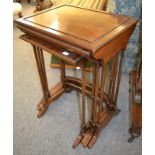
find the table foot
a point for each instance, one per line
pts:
(130, 140)
(55, 93)
(41, 111)
(134, 132)
(94, 138)
(77, 140)
(89, 137)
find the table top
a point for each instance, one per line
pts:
(84, 28)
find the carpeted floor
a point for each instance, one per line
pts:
(53, 134)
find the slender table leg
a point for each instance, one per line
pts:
(106, 114)
(97, 127)
(63, 76)
(95, 91)
(63, 73)
(102, 89)
(114, 78)
(119, 77)
(83, 125)
(92, 124)
(43, 79)
(101, 116)
(83, 121)
(112, 83)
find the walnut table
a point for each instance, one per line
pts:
(77, 35)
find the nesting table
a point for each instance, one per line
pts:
(77, 35)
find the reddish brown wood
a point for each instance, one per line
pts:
(83, 125)
(60, 29)
(102, 88)
(55, 93)
(111, 31)
(63, 73)
(95, 91)
(92, 134)
(76, 84)
(114, 75)
(114, 84)
(78, 140)
(94, 138)
(43, 79)
(87, 136)
(139, 78)
(112, 80)
(136, 103)
(119, 77)
(73, 58)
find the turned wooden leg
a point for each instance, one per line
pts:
(43, 79)
(136, 127)
(83, 126)
(114, 75)
(119, 77)
(102, 89)
(92, 123)
(112, 83)
(63, 76)
(95, 91)
(83, 121)
(63, 73)
(97, 128)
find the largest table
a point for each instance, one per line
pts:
(77, 35)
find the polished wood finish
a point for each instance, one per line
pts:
(55, 93)
(72, 58)
(94, 31)
(85, 35)
(135, 92)
(90, 4)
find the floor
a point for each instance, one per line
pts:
(53, 134)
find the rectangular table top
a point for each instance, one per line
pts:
(84, 28)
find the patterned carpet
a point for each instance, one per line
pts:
(53, 134)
